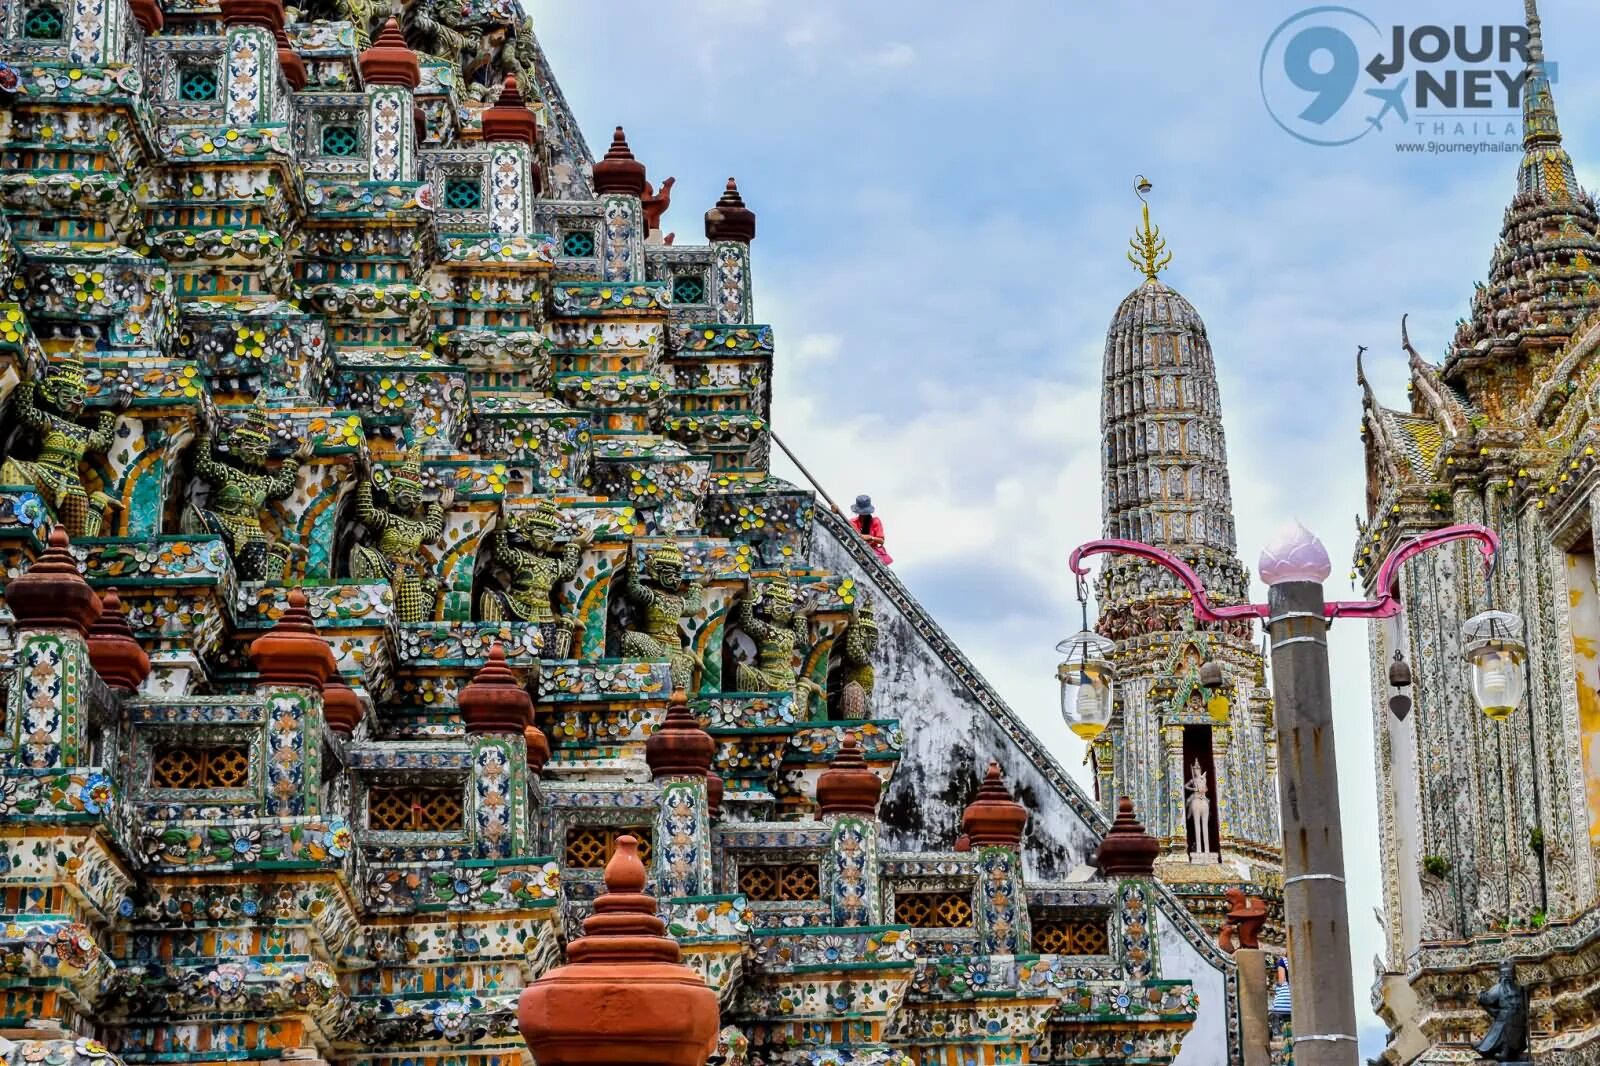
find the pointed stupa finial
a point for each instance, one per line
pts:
(1149, 253)
(1535, 32)
(1540, 129)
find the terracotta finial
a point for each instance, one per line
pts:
(730, 219)
(619, 173)
(294, 69)
(148, 14)
(1127, 850)
(993, 817)
(679, 747)
(52, 594)
(268, 14)
(341, 706)
(509, 119)
(714, 790)
(848, 785)
(390, 61)
(625, 996)
(656, 202)
(538, 746)
(495, 701)
(1247, 915)
(114, 651)
(292, 652)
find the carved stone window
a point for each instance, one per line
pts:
(43, 22)
(589, 847)
(933, 910)
(340, 140)
(688, 289)
(1065, 934)
(197, 84)
(182, 766)
(578, 244)
(463, 194)
(780, 882)
(414, 808)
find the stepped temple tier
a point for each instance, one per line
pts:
(1491, 829)
(402, 621)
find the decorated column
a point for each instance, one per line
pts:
(847, 801)
(679, 753)
(392, 73)
(619, 182)
(292, 662)
(498, 712)
(250, 72)
(994, 822)
(54, 608)
(730, 227)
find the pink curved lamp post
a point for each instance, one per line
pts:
(1387, 605)
(1314, 899)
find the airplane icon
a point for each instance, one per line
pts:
(1393, 100)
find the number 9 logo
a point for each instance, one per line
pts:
(1310, 70)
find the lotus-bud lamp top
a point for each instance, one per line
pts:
(1294, 554)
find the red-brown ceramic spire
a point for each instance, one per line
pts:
(509, 119)
(114, 652)
(1127, 849)
(619, 172)
(52, 594)
(993, 817)
(714, 790)
(294, 71)
(625, 998)
(538, 746)
(679, 747)
(292, 652)
(495, 701)
(268, 14)
(390, 61)
(730, 219)
(341, 707)
(848, 786)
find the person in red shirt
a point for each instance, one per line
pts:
(870, 526)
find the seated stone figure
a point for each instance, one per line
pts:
(401, 532)
(780, 631)
(525, 545)
(860, 642)
(51, 409)
(664, 598)
(241, 487)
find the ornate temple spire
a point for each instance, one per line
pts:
(1149, 250)
(1546, 169)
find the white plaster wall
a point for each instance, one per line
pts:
(1207, 1042)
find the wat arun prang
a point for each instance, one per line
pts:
(389, 532)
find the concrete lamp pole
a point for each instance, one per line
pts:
(1294, 567)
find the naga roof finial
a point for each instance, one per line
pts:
(1149, 254)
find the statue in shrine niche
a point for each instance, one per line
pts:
(659, 591)
(241, 487)
(780, 630)
(401, 530)
(1199, 804)
(51, 410)
(526, 548)
(858, 644)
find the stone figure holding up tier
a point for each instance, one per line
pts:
(241, 487)
(51, 409)
(665, 598)
(771, 619)
(1507, 1004)
(1199, 809)
(860, 643)
(525, 546)
(398, 557)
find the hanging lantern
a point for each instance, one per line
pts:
(1492, 643)
(1086, 677)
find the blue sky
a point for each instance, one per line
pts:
(944, 202)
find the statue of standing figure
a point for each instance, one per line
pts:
(51, 409)
(1199, 808)
(525, 545)
(1507, 1004)
(658, 589)
(398, 557)
(241, 487)
(779, 629)
(860, 643)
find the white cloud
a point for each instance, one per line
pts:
(896, 54)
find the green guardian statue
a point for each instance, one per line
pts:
(241, 488)
(526, 548)
(664, 598)
(401, 530)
